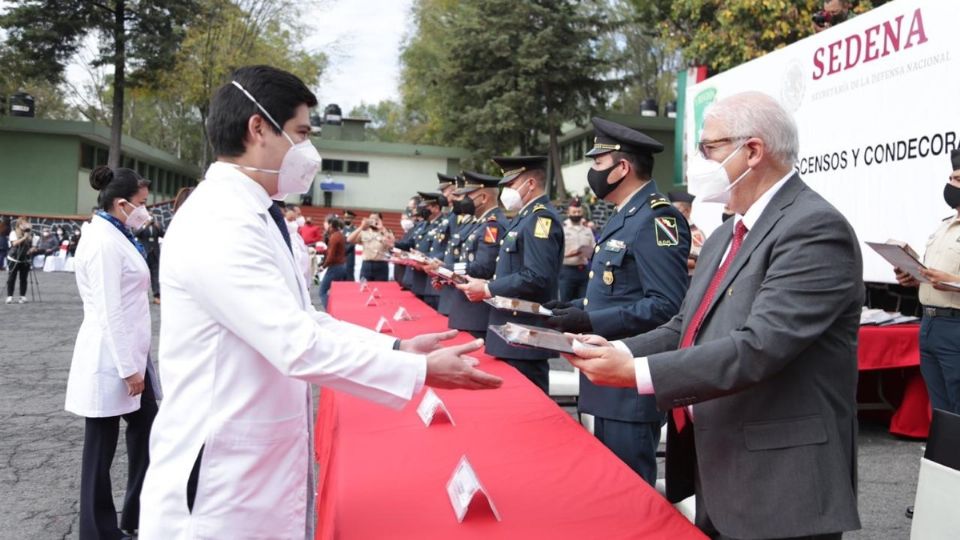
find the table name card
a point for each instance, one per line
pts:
(402, 314)
(372, 301)
(383, 326)
(432, 408)
(363, 285)
(466, 491)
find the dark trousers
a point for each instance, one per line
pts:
(375, 271)
(98, 516)
(153, 263)
(334, 273)
(940, 361)
(351, 262)
(635, 443)
(432, 301)
(573, 282)
(538, 371)
(21, 270)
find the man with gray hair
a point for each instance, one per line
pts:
(760, 365)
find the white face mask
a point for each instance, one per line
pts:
(301, 221)
(136, 219)
(511, 199)
(406, 224)
(300, 164)
(292, 227)
(709, 181)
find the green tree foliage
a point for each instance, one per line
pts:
(722, 34)
(497, 76)
(225, 35)
(138, 37)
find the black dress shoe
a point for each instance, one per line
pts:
(909, 512)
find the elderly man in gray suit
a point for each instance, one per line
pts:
(760, 365)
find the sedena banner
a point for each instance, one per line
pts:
(877, 105)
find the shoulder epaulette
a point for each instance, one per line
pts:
(656, 201)
(537, 207)
(493, 217)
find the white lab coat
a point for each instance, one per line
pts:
(114, 338)
(239, 345)
(300, 254)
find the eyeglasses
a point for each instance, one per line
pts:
(705, 147)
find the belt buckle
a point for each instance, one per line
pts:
(930, 312)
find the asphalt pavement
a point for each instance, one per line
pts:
(40, 444)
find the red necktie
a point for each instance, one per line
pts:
(740, 231)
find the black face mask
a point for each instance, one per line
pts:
(951, 195)
(576, 219)
(423, 212)
(464, 206)
(598, 181)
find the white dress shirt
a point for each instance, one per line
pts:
(642, 368)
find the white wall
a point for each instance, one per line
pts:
(86, 195)
(391, 181)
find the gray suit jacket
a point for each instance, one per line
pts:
(772, 375)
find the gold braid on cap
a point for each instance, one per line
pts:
(514, 172)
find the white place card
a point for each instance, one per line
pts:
(402, 314)
(375, 293)
(466, 491)
(363, 285)
(431, 408)
(372, 301)
(383, 326)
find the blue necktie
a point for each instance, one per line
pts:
(277, 216)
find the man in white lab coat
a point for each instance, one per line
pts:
(240, 341)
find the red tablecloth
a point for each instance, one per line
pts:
(897, 348)
(384, 474)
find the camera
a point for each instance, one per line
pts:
(823, 18)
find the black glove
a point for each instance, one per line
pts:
(571, 319)
(556, 304)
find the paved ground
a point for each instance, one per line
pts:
(40, 444)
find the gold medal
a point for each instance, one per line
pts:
(608, 277)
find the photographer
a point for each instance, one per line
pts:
(18, 258)
(377, 242)
(833, 13)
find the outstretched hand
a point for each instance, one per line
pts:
(426, 343)
(603, 363)
(449, 368)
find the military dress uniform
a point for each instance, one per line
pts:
(528, 265)
(435, 248)
(408, 242)
(940, 326)
(637, 281)
(457, 227)
(478, 256)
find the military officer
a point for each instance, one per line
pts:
(439, 238)
(940, 327)
(480, 245)
(430, 242)
(637, 281)
(528, 263)
(409, 240)
(460, 221)
(683, 201)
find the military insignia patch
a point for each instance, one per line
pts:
(656, 201)
(542, 229)
(537, 207)
(666, 230)
(490, 235)
(608, 277)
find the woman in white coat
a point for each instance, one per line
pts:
(109, 377)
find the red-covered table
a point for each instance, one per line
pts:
(897, 348)
(383, 474)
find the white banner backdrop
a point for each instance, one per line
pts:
(877, 104)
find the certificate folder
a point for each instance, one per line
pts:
(521, 335)
(522, 306)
